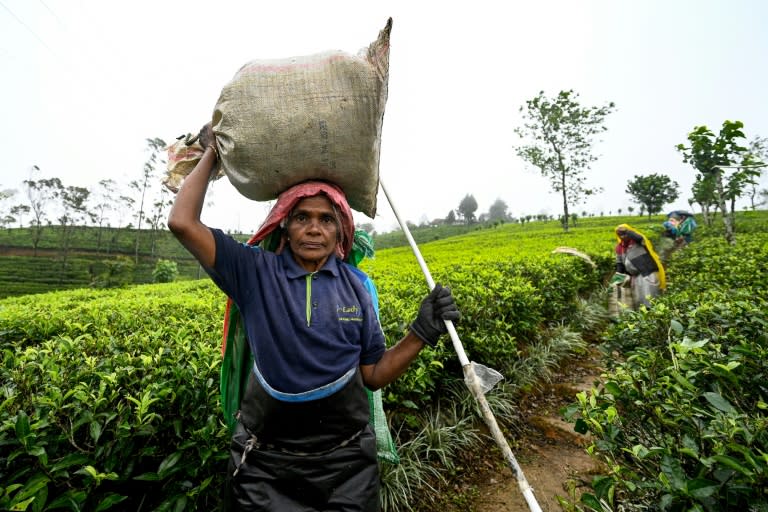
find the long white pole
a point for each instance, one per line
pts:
(470, 377)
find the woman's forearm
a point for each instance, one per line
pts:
(184, 219)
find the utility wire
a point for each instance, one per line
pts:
(52, 13)
(21, 22)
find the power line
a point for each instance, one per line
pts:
(21, 22)
(52, 13)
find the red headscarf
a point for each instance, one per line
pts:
(287, 201)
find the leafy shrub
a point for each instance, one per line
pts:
(110, 397)
(165, 271)
(681, 420)
(112, 273)
(123, 411)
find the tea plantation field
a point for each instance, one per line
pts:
(110, 397)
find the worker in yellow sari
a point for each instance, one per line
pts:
(638, 266)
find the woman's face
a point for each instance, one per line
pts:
(312, 232)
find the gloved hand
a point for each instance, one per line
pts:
(618, 279)
(437, 307)
(206, 136)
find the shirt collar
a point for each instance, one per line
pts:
(294, 270)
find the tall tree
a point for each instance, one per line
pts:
(498, 211)
(155, 147)
(6, 219)
(40, 193)
(758, 146)
(74, 202)
(703, 191)
(19, 211)
(558, 136)
(124, 206)
(467, 208)
(724, 160)
(159, 215)
(653, 191)
(450, 218)
(105, 202)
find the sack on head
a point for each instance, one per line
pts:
(280, 122)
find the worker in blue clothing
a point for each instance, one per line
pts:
(678, 232)
(680, 226)
(302, 441)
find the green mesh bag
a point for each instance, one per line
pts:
(385, 445)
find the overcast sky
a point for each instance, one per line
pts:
(84, 83)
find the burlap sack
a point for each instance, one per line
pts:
(183, 156)
(281, 122)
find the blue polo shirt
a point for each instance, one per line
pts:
(308, 331)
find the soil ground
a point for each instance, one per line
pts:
(550, 453)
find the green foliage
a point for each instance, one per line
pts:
(428, 457)
(96, 258)
(557, 135)
(112, 273)
(112, 398)
(165, 271)
(725, 166)
(681, 419)
(653, 191)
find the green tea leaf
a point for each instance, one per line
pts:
(732, 463)
(581, 426)
(717, 401)
(22, 427)
(149, 477)
(671, 467)
(591, 501)
(73, 459)
(168, 463)
(701, 488)
(109, 501)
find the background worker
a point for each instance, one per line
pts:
(680, 226)
(638, 265)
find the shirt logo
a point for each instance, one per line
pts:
(349, 313)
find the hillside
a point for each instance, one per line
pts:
(95, 258)
(108, 257)
(96, 255)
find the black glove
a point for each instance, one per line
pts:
(437, 307)
(206, 136)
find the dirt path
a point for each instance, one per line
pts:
(550, 454)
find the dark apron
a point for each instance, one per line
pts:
(303, 456)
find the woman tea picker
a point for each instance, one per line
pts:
(638, 265)
(302, 441)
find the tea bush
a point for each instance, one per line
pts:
(681, 419)
(165, 271)
(110, 397)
